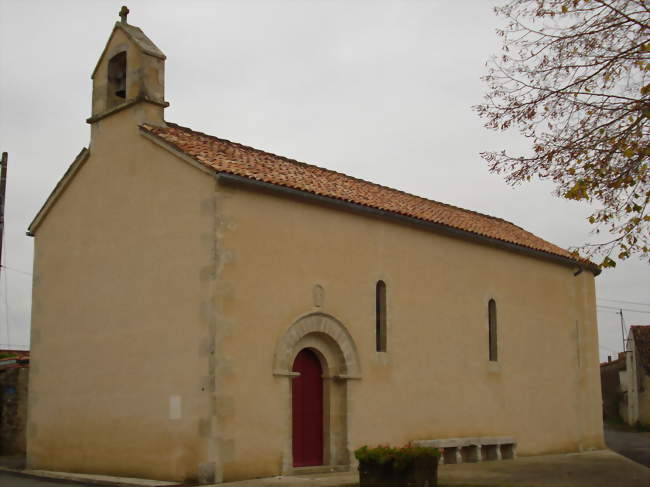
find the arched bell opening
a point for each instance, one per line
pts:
(117, 79)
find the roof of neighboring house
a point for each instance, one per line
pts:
(229, 157)
(620, 359)
(641, 335)
(13, 359)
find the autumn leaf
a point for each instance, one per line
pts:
(607, 262)
(578, 90)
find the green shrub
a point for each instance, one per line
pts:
(642, 427)
(398, 459)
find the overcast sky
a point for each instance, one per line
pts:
(379, 90)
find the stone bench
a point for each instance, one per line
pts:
(477, 449)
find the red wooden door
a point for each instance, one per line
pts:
(307, 409)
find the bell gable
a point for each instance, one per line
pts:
(131, 69)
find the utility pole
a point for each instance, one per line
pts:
(620, 312)
(3, 191)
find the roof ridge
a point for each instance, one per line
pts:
(260, 165)
(295, 161)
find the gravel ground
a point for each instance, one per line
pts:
(603, 468)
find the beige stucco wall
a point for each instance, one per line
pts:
(435, 381)
(635, 385)
(644, 400)
(153, 280)
(121, 310)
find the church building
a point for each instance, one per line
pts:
(207, 311)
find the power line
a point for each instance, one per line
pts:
(626, 302)
(618, 308)
(16, 270)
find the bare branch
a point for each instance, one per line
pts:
(574, 78)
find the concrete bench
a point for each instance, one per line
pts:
(477, 449)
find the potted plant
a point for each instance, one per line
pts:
(407, 466)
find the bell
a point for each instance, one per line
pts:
(121, 86)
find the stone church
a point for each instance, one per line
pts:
(204, 310)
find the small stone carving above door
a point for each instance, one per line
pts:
(318, 295)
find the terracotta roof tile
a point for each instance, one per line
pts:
(15, 353)
(14, 359)
(232, 158)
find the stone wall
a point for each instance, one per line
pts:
(13, 410)
(612, 393)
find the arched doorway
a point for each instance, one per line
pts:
(307, 410)
(328, 341)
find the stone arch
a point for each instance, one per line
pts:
(116, 82)
(335, 348)
(336, 344)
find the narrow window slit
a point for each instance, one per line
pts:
(380, 301)
(492, 318)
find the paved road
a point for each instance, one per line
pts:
(10, 480)
(630, 444)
